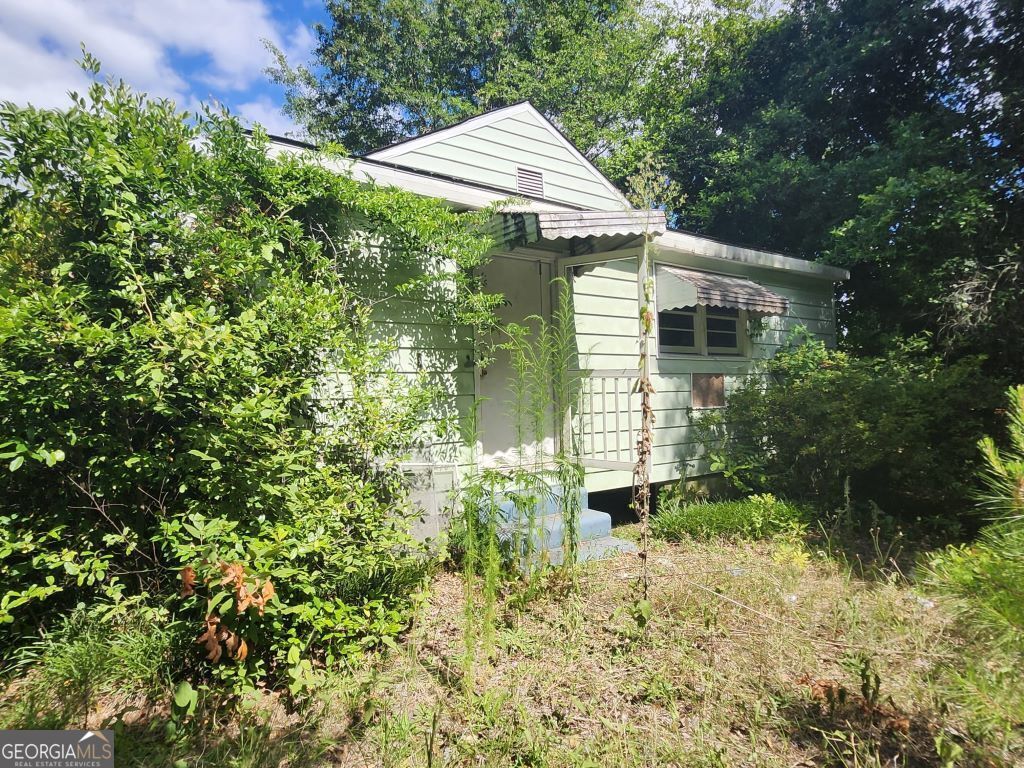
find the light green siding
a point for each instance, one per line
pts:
(424, 343)
(441, 352)
(605, 299)
(489, 154)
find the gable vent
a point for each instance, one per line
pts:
(529, 182)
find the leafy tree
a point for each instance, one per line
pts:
(387, 70)
(884, 135)
(878, 135)
(172, 307)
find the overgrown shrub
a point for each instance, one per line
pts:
(172, 304)
(756, 517)
(899, 430)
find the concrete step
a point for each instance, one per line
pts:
(547, 503)
(594, 549)
(549, 531)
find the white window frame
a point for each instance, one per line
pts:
(695, 349)
(743, 340)
(740, 319)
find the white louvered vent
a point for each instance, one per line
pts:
(530, 182)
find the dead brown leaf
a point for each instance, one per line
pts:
(188, 581)
(209, 638)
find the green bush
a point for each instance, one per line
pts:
(756, 517)
(820, 424)
(989, 574)
(173, 303)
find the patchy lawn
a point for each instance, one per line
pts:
(755, 655)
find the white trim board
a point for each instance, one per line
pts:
(419, 183)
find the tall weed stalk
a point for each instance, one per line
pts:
(544, 388)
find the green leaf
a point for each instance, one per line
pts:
(16, 462)
(184, 694)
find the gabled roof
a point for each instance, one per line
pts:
(470, 193)
(491, 148)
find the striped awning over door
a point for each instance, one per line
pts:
(524, 227)
(678, 287)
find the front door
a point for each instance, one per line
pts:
(526, 286)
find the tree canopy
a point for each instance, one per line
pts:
(881, 135)
(389, 69)
(865, 134)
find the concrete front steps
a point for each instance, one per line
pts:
(547, 530)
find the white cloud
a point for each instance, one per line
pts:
(137, 40)
(32, 74)
(266, 113)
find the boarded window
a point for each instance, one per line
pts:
(529, 182)
(708, 390)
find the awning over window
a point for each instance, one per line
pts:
(678, 287)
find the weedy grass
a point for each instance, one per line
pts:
(755, 517)
(93, 661)
(750, 657)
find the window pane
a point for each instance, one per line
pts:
(723, 312)
(721, 324)
(722, 339)
(676, 321)
(673, 338)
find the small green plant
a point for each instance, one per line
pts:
(497, 536)
(1003, 473)
(863, 666)
(948, 751)
(93, 654)
(759, 516)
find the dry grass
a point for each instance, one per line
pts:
(757, 654)
(753, 657)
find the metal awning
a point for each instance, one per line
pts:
(522, 227)
(678, 287)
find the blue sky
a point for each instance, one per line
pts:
(188, 50)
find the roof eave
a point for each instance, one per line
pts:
(470, 195)
(685, 242)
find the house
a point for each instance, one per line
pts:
(720, 307)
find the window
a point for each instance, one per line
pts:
(723, 332)
(708, 390)
(702, 330)
(677, 330)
